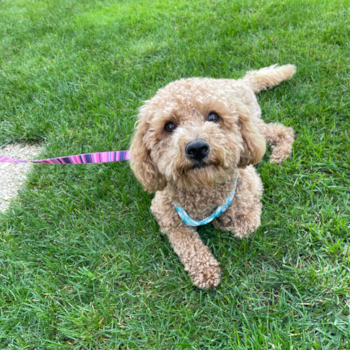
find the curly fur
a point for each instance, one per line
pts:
(237, 141)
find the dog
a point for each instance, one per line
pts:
(195, 145)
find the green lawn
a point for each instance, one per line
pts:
(82, 262)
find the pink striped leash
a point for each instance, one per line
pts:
(88, 158)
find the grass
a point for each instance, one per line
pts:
(82, 262)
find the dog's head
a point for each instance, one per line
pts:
(193, 133)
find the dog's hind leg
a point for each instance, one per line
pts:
(279, 137)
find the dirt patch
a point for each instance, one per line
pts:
(12, 176)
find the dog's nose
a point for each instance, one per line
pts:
(197, 150)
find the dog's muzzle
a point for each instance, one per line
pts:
(197, 150)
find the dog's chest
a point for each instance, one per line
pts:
(201, 203)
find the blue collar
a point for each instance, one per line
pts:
(219, 210)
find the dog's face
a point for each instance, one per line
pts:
(193, 133)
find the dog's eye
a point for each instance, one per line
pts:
(213, 117)
(169, 127)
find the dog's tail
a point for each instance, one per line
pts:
(268, 77)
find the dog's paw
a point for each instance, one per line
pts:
(278, 158)
(208, 278)
(280, 153)
(246, 225)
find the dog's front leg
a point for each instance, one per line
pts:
(193, 253)
(195, 256)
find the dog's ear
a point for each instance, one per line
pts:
(145, 170)
(254, 143)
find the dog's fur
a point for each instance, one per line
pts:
(236, 142)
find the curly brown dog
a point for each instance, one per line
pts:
(195, 143)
